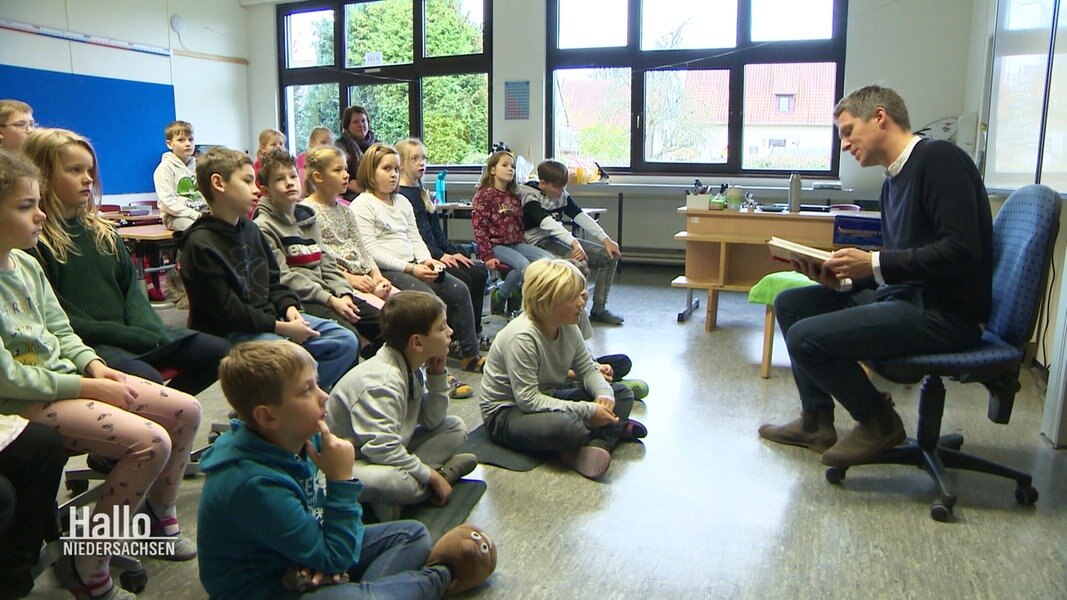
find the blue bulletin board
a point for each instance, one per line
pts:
(123, 119)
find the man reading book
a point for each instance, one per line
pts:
(927, 291)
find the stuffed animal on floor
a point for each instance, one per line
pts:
(470, 553)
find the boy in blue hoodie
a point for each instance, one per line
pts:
(278, 514)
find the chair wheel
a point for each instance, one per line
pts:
(134, 581)
(1026, 494)
(835, 475)
(80, 486)
(940, 512)
(212, 436)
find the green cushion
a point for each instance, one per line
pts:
(771, 285)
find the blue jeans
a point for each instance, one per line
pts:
(518, 257)
(827, 332)
(602, 266)
(558, 431)
(336, 349)
(390, 566)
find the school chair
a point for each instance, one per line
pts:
(764, 292)
(1024, 233)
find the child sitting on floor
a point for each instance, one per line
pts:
(278, 513)
(397, 413)
(525, 400)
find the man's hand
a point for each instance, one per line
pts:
(850, 262)
(612, 248)
(816, 272)
(440, 489)
(602, 417)
(577, 252)
(344, 307)
(336, 458)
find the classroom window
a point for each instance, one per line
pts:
(687, 116)
(810, 126)
(420, 67)
(592, 118)
(308, 107)
(684, 24)
(676, 86)
(388, 106)
(454, 27)
(375, 33)
(309, 39)
(455, 118)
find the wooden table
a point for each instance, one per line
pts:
(123, 219)
(148, 242)
(727, 250)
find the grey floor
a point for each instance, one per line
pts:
(705, 509)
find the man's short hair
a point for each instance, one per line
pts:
(221, 160)
(409, 313)
(176, 128)
(275, 159)
(862, 103)
(255, 373)
(8, 108)
(548, 281)
(554, 172)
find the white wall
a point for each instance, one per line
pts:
(211, 94)
(519, 33)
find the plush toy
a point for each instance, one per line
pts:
(469, 552)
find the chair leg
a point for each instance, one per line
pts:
(936, 454)
(768, 342)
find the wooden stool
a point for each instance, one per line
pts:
(765, 292)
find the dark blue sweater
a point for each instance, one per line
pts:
(938, 232)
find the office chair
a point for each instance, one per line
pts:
(1024, 232)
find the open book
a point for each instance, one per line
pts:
(786, 251)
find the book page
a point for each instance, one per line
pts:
(787, 251)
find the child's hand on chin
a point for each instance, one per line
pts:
(436, 365)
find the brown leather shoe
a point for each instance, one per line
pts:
(867, 439)
(814, 430)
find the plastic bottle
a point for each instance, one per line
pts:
(735, 197)
(794, 193)
(440, 188)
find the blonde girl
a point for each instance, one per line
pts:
(327, 176)
(54, 379)
(473, 274)
(91, 272)
(320, 136)
(387, 226)
(269, 139)
(498, 228)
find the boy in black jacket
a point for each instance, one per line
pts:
(233, 281)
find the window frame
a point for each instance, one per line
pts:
(412, 73)
(733, 60)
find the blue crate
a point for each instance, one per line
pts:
(858, 231)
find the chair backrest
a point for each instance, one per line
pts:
(1023, 236)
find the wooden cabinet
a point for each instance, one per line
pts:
(727, 250)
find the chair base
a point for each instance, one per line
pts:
(935, 454)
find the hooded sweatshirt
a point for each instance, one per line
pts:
(231, 278)
(306, 267)
(379, 403)
(263, 510)
(542, 216)
(176, 187)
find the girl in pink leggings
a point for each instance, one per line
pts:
(50, 377)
